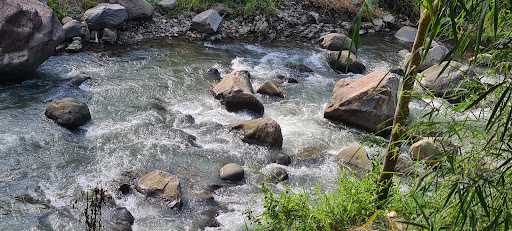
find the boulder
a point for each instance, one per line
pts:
(29, 34)
(236, 93)
(368, 103)
(271, 88)
(406, 34)
(346, 62)
(167, 4)
(75, 46)
(109, 36)
(262, 131)
(451, 84)
(121, 220)
(299, 67)
(72, 29)
(275, 173)
(336, 42)
(161, 184)
(355, 156)
(207, 21)
(435, 55)
(231, 172)
(105, 15)
(431, 150)
(68, 112)
(280, 158)
(136, 9)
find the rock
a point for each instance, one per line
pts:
(274, 173)
(125, 189)
(68, 112)
(136, 9)
(280, 158)
(109, 36)
(434, 56)
(77, 80)
(66, 20)
(72, 29)
(121, 219)
(336, 42)
(236, 93)
(167, 4)
(231, 172)
(368, 103)
(355, 156)
(431, 149)
(270, 88)
(299, 67)
(347, 62)
(185, 120)
(406, 34)
(29, 34)
(161, 184)
(75, 46)
(451, 84)
(207, 21)
(263, 131)
(213, 74)
(310, 152)
(104, 16)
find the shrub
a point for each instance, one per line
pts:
(59, 7)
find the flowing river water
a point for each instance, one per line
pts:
(137, 97)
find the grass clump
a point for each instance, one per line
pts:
(59, 7)
(240, 7)
(352, 204)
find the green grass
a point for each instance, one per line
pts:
(239, 7)
(60, 8)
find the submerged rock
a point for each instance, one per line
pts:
(161, 184)
(68, 112)
(236, 93)
(263, 131)
(451, 84)
(29, 34)
(136, 8)
(109, 36)
(280, 158)
(231, 172)
(121, 219)
(275, 173)
(344, 62)
(336, 42)
(207, 21)
(105, 16)
(406, 34)
(270, 88)
(355, 156)
(299, 67)
(368, 103)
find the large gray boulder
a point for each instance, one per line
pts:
(336, 42)
(68, 112)
(207, 21)
(137, 9)
(368, 103)
(344, 62)
(452, 83)
(29, 34)
(105, 16)
(406, 34)
(237, 94)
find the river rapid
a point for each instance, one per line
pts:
(137, 97)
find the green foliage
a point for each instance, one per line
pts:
(241, 7)
(60, 8)
(87, 4)
(352, 204)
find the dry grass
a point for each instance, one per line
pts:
(337, 5)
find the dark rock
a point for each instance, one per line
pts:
(270, 88)
(280, 158)
(336, 42)
(29, 34)
(263, 131)
(299, 67)
(167, 4)
(274, 173)
(72, 29)
(105, 16)
(184, 120)
(213, 74)
(121, 219)
(136, 8)
(161, 184)
(75, 46)
(109, 36)
(68, 113)
(368, 103)
(347, 62)
(231, 172)
(207, 21)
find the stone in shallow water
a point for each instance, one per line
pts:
(136, 8)
(262, 131)
(344, 62)
(355, 156)
(406, 34)
(336, 42)
(69, 113)
(275, 173)
(121, 219)
(231, 172)
(161, 184)
(271, 88)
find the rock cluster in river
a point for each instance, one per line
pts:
(29, 34)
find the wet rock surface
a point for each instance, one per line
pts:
(263, 131)
(68, 112)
